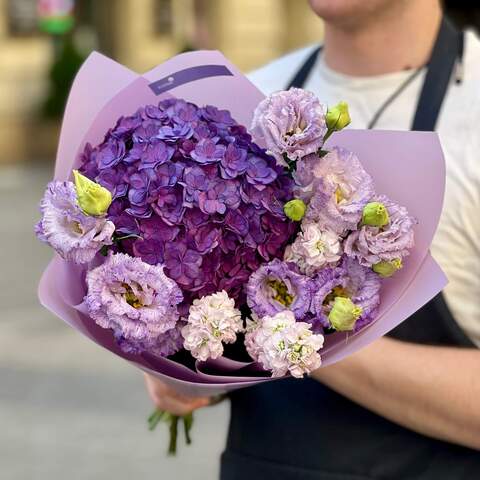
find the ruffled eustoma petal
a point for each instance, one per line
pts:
(75, 236)
(283, 345)
(135, 300)
(164, 345)
(371, 245)
(291, 123)
(349, 280)
(278, 286)
(337, 188)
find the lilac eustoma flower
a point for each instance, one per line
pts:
(164, 345)
(371, 245)
(291, 123)
(134, 299)
(74, 235)
(338, 192)
(349, 279)
(277, 286)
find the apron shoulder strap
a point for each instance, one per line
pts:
(300, 77)
(448, 49)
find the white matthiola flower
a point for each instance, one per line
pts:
(212, 321)
(314, 248)
(283, 345)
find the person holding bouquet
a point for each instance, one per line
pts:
(406, 406)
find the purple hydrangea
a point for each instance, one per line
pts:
(74, 235)
(337, 188)
(137, 301)
(278, 286)
(371, 245)
(352, 280)
(204, 199)
(291, 123)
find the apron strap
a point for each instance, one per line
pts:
(299, 79)
(447, 51)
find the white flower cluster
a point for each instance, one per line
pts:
(314, 248)
(212, 321)
(283, 345)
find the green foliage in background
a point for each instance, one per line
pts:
(65, 66)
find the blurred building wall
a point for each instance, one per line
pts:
(248, 32)
(24, 64)
(139, 34)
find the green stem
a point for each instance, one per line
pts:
(328, 134)
(172, 446)
(172, 420)
(187, 426)
(154, 419)
(125, 237)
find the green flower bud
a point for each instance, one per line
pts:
(387, 269)
(337, 117)
(344, 314)
(92, 198)
(295, 209)
(375, 214)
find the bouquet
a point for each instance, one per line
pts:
(185, 224)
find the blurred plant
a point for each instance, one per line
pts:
(67, 61)
(56, 18)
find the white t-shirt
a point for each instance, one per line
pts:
(456, 245)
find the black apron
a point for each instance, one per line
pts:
(300, 429)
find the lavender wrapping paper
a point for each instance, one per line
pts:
(407, 166)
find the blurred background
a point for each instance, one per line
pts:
(67, 408)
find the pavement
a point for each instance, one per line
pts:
(69, 409)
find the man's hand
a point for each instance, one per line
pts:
(166, 398)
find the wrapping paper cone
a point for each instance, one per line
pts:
(404, 165)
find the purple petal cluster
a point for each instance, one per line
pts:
(363, 287)
(370, 245)
(349, 279)
(164, 345)
(137, 301)
(204, 199)
(291, 123)
(74, 235)
(278, 286)
(337, 188)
